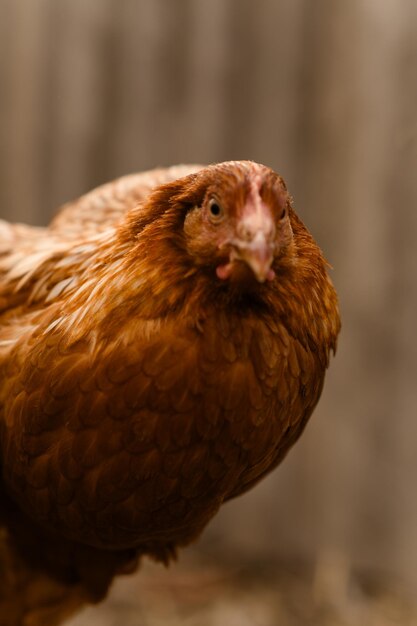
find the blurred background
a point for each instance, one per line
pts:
(325, 93)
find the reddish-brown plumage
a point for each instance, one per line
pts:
(159, 353)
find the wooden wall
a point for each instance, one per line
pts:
(325, 93)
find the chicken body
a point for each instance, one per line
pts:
(162, 345)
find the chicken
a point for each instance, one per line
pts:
(162, 345)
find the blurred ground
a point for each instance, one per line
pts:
(196, 592)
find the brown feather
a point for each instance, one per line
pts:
(149, 372)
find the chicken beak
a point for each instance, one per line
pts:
(258, 254)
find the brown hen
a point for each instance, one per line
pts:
(162, 345)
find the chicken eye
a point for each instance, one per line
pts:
(216, 211)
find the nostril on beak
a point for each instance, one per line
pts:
(248, 233)
(245, 232)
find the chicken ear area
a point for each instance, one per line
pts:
(173, 199)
